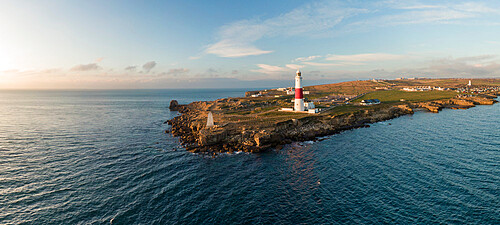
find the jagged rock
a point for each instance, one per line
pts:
(483, 101)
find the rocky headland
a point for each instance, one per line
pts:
(255, 125)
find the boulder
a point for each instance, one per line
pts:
(174, 105)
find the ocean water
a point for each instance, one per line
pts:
(101, 157)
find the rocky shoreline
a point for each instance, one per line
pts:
(262, 136)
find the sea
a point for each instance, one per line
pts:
(102, 157)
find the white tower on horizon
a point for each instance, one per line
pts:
(299, 97)
(470, 83)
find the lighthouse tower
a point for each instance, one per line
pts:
(299, 97)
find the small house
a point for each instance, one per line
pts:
(370, 102)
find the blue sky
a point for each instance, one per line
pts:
(185, 44)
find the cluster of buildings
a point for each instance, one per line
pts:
(466, 89)
(480, 90)
(410, 78)
(477, 90)
(274, 92)
(255, 94)
(425, 88)
(298, 103)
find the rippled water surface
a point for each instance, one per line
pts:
(80, 157)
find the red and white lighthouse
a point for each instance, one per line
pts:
(299, 97)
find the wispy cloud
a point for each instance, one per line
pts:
(237, 39)
(269, 69)
(476, 66)
(474, 59)
(462, 67)
(86, 67)
(409, 5)
(149, 66)
(367, 57)
(475, 7)
(471, 6)
(322, 64)
(414, 12)
(420, 17)
(421, 7)
(131, 68)
(308, 58)
(28, 73)
(176, 72)
(294, 66)
(234, 49)
(347, 60)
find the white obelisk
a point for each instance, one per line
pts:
(210, 120)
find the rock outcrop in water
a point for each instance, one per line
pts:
(455, 103)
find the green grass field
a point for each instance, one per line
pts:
(395, 95)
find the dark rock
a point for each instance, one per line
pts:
(174, 105)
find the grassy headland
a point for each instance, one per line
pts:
(255, 123)
(391, 96)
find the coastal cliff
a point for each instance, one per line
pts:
(198, 138)
(262, 135)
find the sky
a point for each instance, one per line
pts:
(120, 44)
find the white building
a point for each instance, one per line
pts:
(309, 105)
(370, 102)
